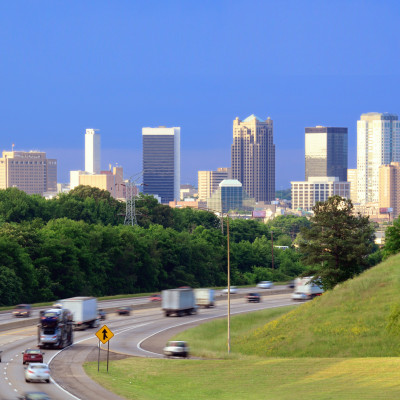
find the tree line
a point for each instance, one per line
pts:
(76, 244)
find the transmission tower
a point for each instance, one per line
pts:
(131, 188)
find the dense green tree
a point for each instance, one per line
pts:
(392, 239)
(338, 243)
(288, 225)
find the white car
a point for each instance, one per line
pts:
(265, 285)
(233, 290)
(176, 348)
(37, 372)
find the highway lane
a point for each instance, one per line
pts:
(6, 317)
(144, 333)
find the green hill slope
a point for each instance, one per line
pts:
(350, 321)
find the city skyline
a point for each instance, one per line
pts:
(188, 65)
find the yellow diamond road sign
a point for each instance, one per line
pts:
(104, 334)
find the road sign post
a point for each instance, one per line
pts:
(104, 334)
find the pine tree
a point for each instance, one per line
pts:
(337, 245)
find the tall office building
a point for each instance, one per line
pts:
(208, 182)
(92, 151)
(253, 157)
(378, 143)
(389, 188)
(29, 171)
(161, 162)
(326, 152)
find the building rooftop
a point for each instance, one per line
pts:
(230, 182)
(251, 117)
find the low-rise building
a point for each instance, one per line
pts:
(306, 193)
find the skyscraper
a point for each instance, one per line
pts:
(378, 143)
(326, 152)
(92, 151)
(161, 162)
(253, 157)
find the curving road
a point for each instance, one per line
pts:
(143, 334)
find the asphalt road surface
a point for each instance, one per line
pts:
(143, 333)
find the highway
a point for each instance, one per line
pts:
(143, 333)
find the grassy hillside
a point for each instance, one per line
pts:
(324, 349)
(350, 321)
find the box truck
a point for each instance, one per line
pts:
(178, 302)
(204, 297)
(84, 311)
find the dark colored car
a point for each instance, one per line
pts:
(102, 314)
(32, 355)
(291, 284)
(253, 297)
(22, 310)
(125, 310)
(155, 297)
(34, 396)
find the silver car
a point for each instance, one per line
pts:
(176, 348)
(37, 372)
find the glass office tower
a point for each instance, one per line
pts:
(326, 152)
(161, 162)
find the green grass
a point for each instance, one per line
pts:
(337, 346)
(263, 379)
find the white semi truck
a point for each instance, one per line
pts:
(178, 302)
(305, 289)
(84, 311)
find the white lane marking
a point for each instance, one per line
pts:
(6, 378)
(189, 322)
(9, 383)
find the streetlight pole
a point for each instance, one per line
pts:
(229, 286)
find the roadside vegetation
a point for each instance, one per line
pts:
(342, 345)
(76, 244)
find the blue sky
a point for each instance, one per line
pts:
(121, 65)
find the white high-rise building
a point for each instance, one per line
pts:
(92, 151)
(378, 143)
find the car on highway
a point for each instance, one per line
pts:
(37, 372)
(253, 297)
(32, 356)
(291, 284)
(265, 285)
(34, 396)
(22, 310)
(124, 310)
(155, 297)
(178, 348)
(102, 314)
(233, 290)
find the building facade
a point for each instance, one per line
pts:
(161, 162)
(352, 179)
(92, 151)
(230, 196)
(30, 171)
(389, 189)
(253, 157)
(326, 152)
(378, 143)
(306, 194)
(208, 181)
